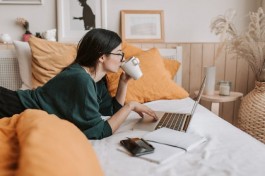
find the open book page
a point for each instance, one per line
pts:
(162, 154)
(186, 141)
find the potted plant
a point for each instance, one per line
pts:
(249, 46)
(25, 24)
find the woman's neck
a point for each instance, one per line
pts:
(96, 75)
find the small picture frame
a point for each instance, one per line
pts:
(142, 25)
(29, 2)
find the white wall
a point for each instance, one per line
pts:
(40, 17)
(185, 20)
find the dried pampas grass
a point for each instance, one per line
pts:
(249, 45)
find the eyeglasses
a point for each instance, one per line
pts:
(118, 54)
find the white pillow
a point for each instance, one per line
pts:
(24, 57)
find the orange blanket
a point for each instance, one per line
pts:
(36, 143)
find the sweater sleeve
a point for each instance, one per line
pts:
(108, 105)
(87, 116)
(95, 133)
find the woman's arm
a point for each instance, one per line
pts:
(122, 88)
(119, 117)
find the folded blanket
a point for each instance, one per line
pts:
(36, 143)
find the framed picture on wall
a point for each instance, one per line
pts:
(21, 1)
(75, 18)
(142, 25)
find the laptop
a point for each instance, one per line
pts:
(176, 121)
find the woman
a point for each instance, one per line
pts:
(79, 93)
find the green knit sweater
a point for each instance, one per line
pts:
(73, 95)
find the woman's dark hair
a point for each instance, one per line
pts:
(94, 44)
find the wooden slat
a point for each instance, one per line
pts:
(219, 63)
(195, 67)
(186, 66)
(241, 76)
(251, 80)
(230, 71)
(208, 55)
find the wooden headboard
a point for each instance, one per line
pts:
(176, 54)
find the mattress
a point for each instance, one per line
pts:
(228, 150)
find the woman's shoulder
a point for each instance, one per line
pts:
(74, 69)
(75, 66)
(74, 74)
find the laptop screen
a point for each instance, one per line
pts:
(199, 95)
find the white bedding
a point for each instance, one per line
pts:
(228, 150)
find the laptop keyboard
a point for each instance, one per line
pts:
(174, 121)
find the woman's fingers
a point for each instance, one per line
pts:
(140, 114)
(150, 113)
(153, 114)
(125, 77)
(143, 109)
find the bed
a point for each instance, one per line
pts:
(227, 151)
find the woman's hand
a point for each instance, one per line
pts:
(125, 78)
(119, 117)
(142, 109)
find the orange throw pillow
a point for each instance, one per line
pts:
(171, 65)
(49, 58)
(155, 84)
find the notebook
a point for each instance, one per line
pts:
(185, 141)
(163, 153)
(176, 121)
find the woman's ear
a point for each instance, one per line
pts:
(101, 59)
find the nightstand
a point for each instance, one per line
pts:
(216, 99)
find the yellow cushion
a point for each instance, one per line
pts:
(171, 65)
(49, 58)
(155, 84)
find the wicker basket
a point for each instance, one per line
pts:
(251, 117)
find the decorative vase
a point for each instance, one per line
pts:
(210, 80)
(25, 37)
(251, 117)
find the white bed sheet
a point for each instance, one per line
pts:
(228, 150)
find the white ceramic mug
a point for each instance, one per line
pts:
(132, 68)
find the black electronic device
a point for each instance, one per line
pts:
(137, 146)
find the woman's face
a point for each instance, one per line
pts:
(113, 60)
